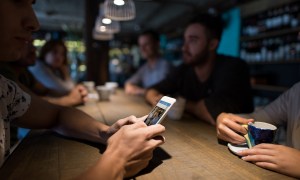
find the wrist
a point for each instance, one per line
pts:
(141, 91)
(156, 99)
(68, 101)
(190, 107)
(117, 159)
(109, 166)
(104, 133)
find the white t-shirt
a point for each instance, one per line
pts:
(14, 102)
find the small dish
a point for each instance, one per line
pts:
(235, 148)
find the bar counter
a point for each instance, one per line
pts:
(191, 150)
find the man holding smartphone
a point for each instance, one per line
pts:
(130, 143)
(209, 82)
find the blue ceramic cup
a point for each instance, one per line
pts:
(260, 132)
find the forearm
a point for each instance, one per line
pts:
(62, 101)
(200, 111)
(129, 85)
(77, 124)
(64, 120)
(153, 96)
(134, 89)
(110, 166)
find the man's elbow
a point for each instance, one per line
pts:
(152, 96)
(148, 94)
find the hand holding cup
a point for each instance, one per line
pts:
(259, 132)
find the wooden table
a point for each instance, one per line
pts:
(191, 150)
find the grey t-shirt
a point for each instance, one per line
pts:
(147, 76)
(284, 111)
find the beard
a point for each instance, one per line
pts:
(198, 59)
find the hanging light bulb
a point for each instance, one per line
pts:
(106, 21)
(102, 36)
(119, 10)
(104, 24)
(119, 2)
(107, 25)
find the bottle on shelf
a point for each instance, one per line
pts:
(274, 49)
(279, 18)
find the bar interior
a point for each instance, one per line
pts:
(151, 89)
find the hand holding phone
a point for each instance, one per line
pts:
(158, 113)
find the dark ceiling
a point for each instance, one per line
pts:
(166, 16)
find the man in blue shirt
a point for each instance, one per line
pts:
(153, 71)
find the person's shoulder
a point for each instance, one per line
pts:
(13, 98)
(40, 64)
(164, 62)
(7, 86)
(182, 69)
(296, 86)
(292, 93)
(4, 81)
(142, 68)
(39, 68)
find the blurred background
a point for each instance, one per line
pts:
(265, 33)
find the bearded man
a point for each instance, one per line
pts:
(210, 83)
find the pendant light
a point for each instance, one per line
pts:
(119, 10)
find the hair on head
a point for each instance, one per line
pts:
(153, 34)
(212, 22)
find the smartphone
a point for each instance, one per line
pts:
(158, 113)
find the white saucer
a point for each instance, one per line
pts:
(235, 148)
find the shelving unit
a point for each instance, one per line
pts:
(297, 61)
(262, 87)
(270, 34)
(270, 43)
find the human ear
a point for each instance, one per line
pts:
(213, 44)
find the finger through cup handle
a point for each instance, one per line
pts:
(259, 132)
(246, 136)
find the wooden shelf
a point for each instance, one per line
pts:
(263, 87)
(275, 62)
(270, 34)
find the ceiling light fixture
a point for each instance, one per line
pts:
(102, 36)
(102, 25)
(102, 28)
(119, 2)
(115, 10)
(106, 21)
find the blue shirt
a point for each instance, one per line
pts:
(56, 85)
(147, 76)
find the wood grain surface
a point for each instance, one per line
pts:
(191, 150)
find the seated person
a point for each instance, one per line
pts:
(211, 83)
(130, 142)
(18, 72)
(284, 111)
(51, 68)
(153, 71)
